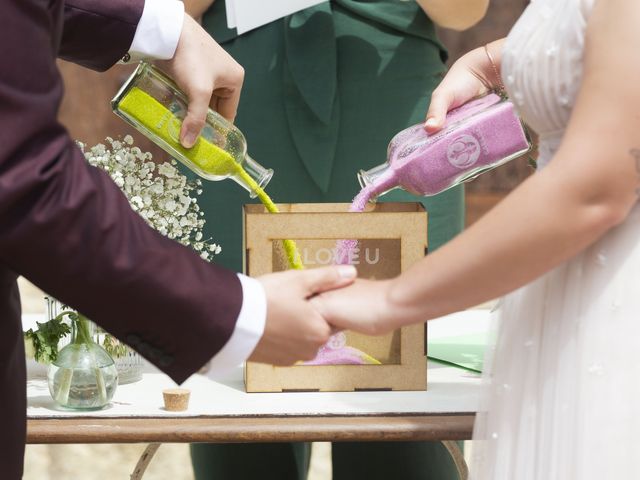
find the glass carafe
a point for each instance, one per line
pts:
(152, 103)
(477, 137)
(83, 376)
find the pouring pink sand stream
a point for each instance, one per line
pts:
(345, 248)
(336, 351)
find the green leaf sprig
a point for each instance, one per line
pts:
(46, 337)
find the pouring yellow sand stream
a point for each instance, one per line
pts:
(207, 156)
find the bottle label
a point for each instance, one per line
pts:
(464, 151)
(170, 125)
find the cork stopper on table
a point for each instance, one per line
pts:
(176, 399)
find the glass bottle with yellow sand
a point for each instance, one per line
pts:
(152, 103)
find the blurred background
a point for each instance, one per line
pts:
(86, 112)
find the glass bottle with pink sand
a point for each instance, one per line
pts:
(477, 137)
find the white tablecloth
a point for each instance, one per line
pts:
(449, 390)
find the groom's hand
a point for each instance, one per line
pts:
(207, 74)
(295, 330)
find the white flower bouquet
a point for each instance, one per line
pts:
(162, 195)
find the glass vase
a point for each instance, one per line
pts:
(129, 363)
(84, 376)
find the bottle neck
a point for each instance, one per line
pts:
(82, 330)
(380, 179)
(252, 176)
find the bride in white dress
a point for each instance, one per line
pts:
(565, 373)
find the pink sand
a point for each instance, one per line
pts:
(346, 248)
(336, 352)
(343, 356)
(473, 139)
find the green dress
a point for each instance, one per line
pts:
(325, 90)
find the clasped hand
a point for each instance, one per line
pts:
(305, 307)
(295, 329)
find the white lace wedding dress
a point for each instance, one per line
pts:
(564, 395)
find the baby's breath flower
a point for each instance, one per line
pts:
(162, 196)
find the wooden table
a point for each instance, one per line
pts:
(392, 425)
(222, 412)
(250, 429)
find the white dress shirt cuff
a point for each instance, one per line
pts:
(248, 331)
(158, 30)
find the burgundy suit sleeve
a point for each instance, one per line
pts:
(66, 227)
(97, 33)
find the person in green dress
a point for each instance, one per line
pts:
(325, 90)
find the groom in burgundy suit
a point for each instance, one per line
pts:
(66, 227)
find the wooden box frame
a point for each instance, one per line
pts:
(406, 222)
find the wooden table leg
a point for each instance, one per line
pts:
(145, 460)
(458, 458)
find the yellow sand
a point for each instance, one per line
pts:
(164, 124)
(293, 256)
(209, 157)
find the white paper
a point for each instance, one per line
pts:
(230, 7)
(251, 14)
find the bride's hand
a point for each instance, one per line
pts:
(470, 76)
(362, 307)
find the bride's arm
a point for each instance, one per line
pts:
(455, 14)
(589, 188)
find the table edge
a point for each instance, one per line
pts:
(251, 429)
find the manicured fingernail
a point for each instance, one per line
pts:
(430, 123)
(347, 271)
(189, 139)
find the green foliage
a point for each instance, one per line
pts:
(45, 339)
(42, 344)
(113, 346)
